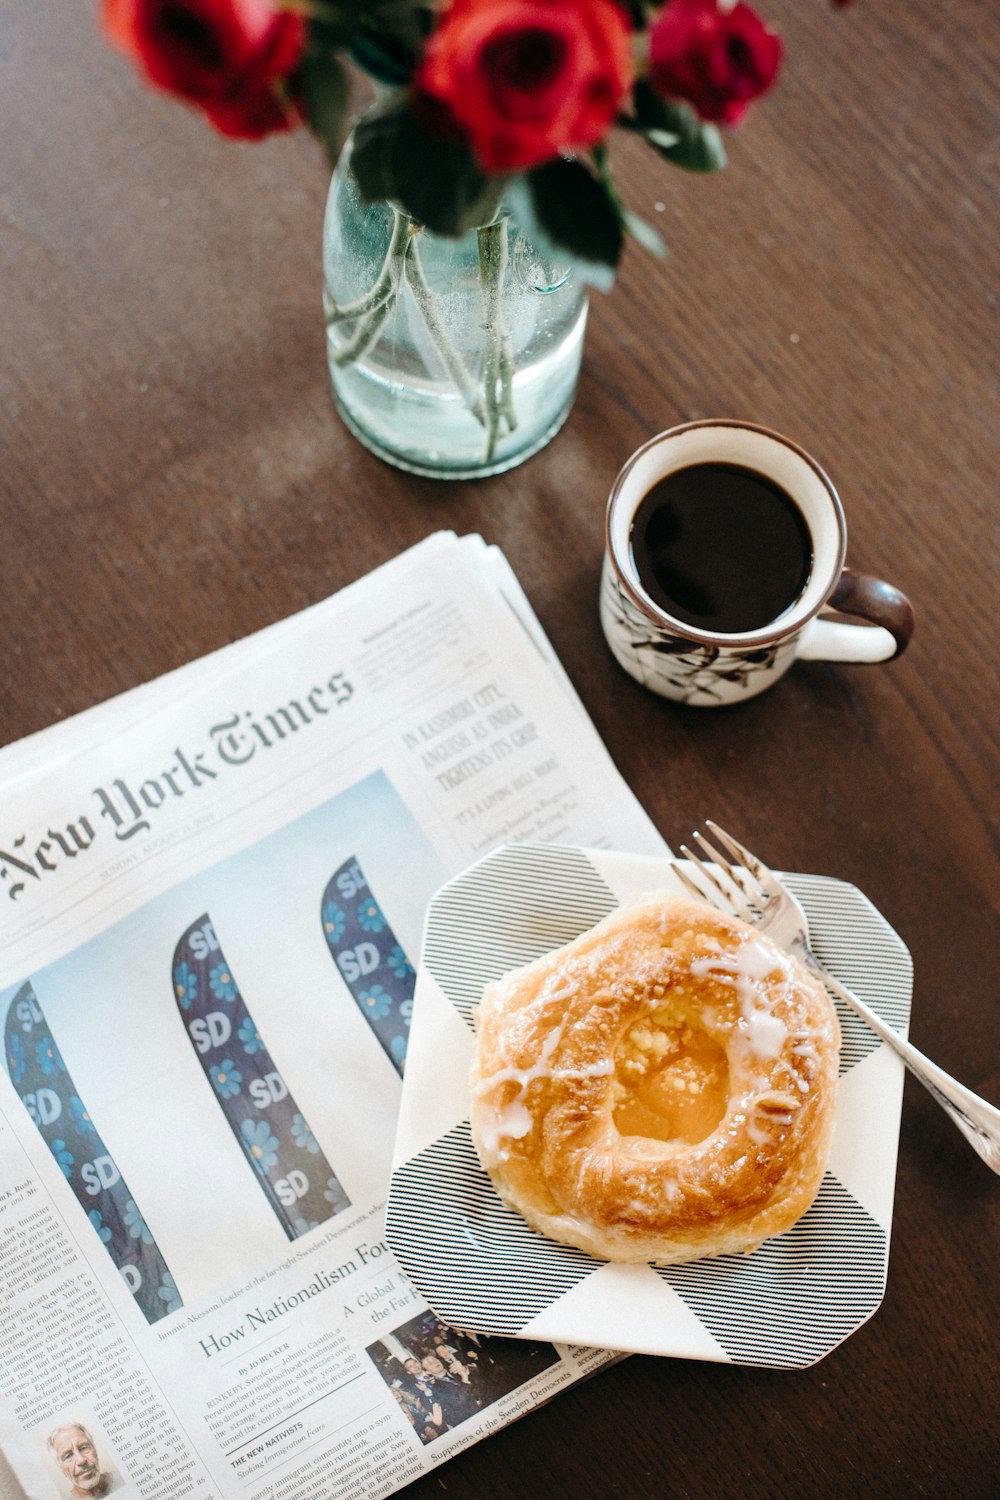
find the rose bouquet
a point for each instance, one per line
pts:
(480, 99)
(492, 116)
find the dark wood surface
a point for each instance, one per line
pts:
(174, 476)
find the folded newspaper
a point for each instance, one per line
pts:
(212, 892)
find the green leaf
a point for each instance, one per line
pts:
(663, 139)
(643, 233)
(392, 25)
(382, 59)
(566, 208)
(326, 90)
(692, 143)
(329, 31)
(704, 153)
(433, 178)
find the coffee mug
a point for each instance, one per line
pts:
(724, 542)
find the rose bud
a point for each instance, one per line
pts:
(714, 59)
(525, 81)
(230, 58)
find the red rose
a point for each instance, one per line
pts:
(715, 59)
(525, 81)
(229, 57)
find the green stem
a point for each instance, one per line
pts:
(452, 360)
(373, 308)
(498, 362)
(495, 403)
(365, 334)
(507, 380)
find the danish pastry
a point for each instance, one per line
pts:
(660, 1089)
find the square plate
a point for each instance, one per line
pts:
(478, 1264)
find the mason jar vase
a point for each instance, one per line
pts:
(453, 358)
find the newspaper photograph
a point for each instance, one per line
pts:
(212, 894)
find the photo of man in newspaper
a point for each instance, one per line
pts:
(86, 1471)
(440, 1376)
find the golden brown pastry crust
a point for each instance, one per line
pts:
(665, 1020)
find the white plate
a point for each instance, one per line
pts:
(479, 1265)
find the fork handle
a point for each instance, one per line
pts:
(978, 1120)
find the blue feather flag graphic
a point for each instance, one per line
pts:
(370, 959)
(48, 1093)
(273, 1134)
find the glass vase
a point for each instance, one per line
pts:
(453, 358)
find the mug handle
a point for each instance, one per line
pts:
(872, 599)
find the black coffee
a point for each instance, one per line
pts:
(720, 547)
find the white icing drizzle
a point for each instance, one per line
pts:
(767, 1034)
(513, 1121)
(747, 967)
(523, 1076)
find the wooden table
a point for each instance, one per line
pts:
(174, 476)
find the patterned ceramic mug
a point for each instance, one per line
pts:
(711, 667)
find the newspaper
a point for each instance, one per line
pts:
(211, 900)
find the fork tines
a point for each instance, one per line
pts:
(722, 882)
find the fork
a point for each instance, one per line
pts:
(743, 886)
